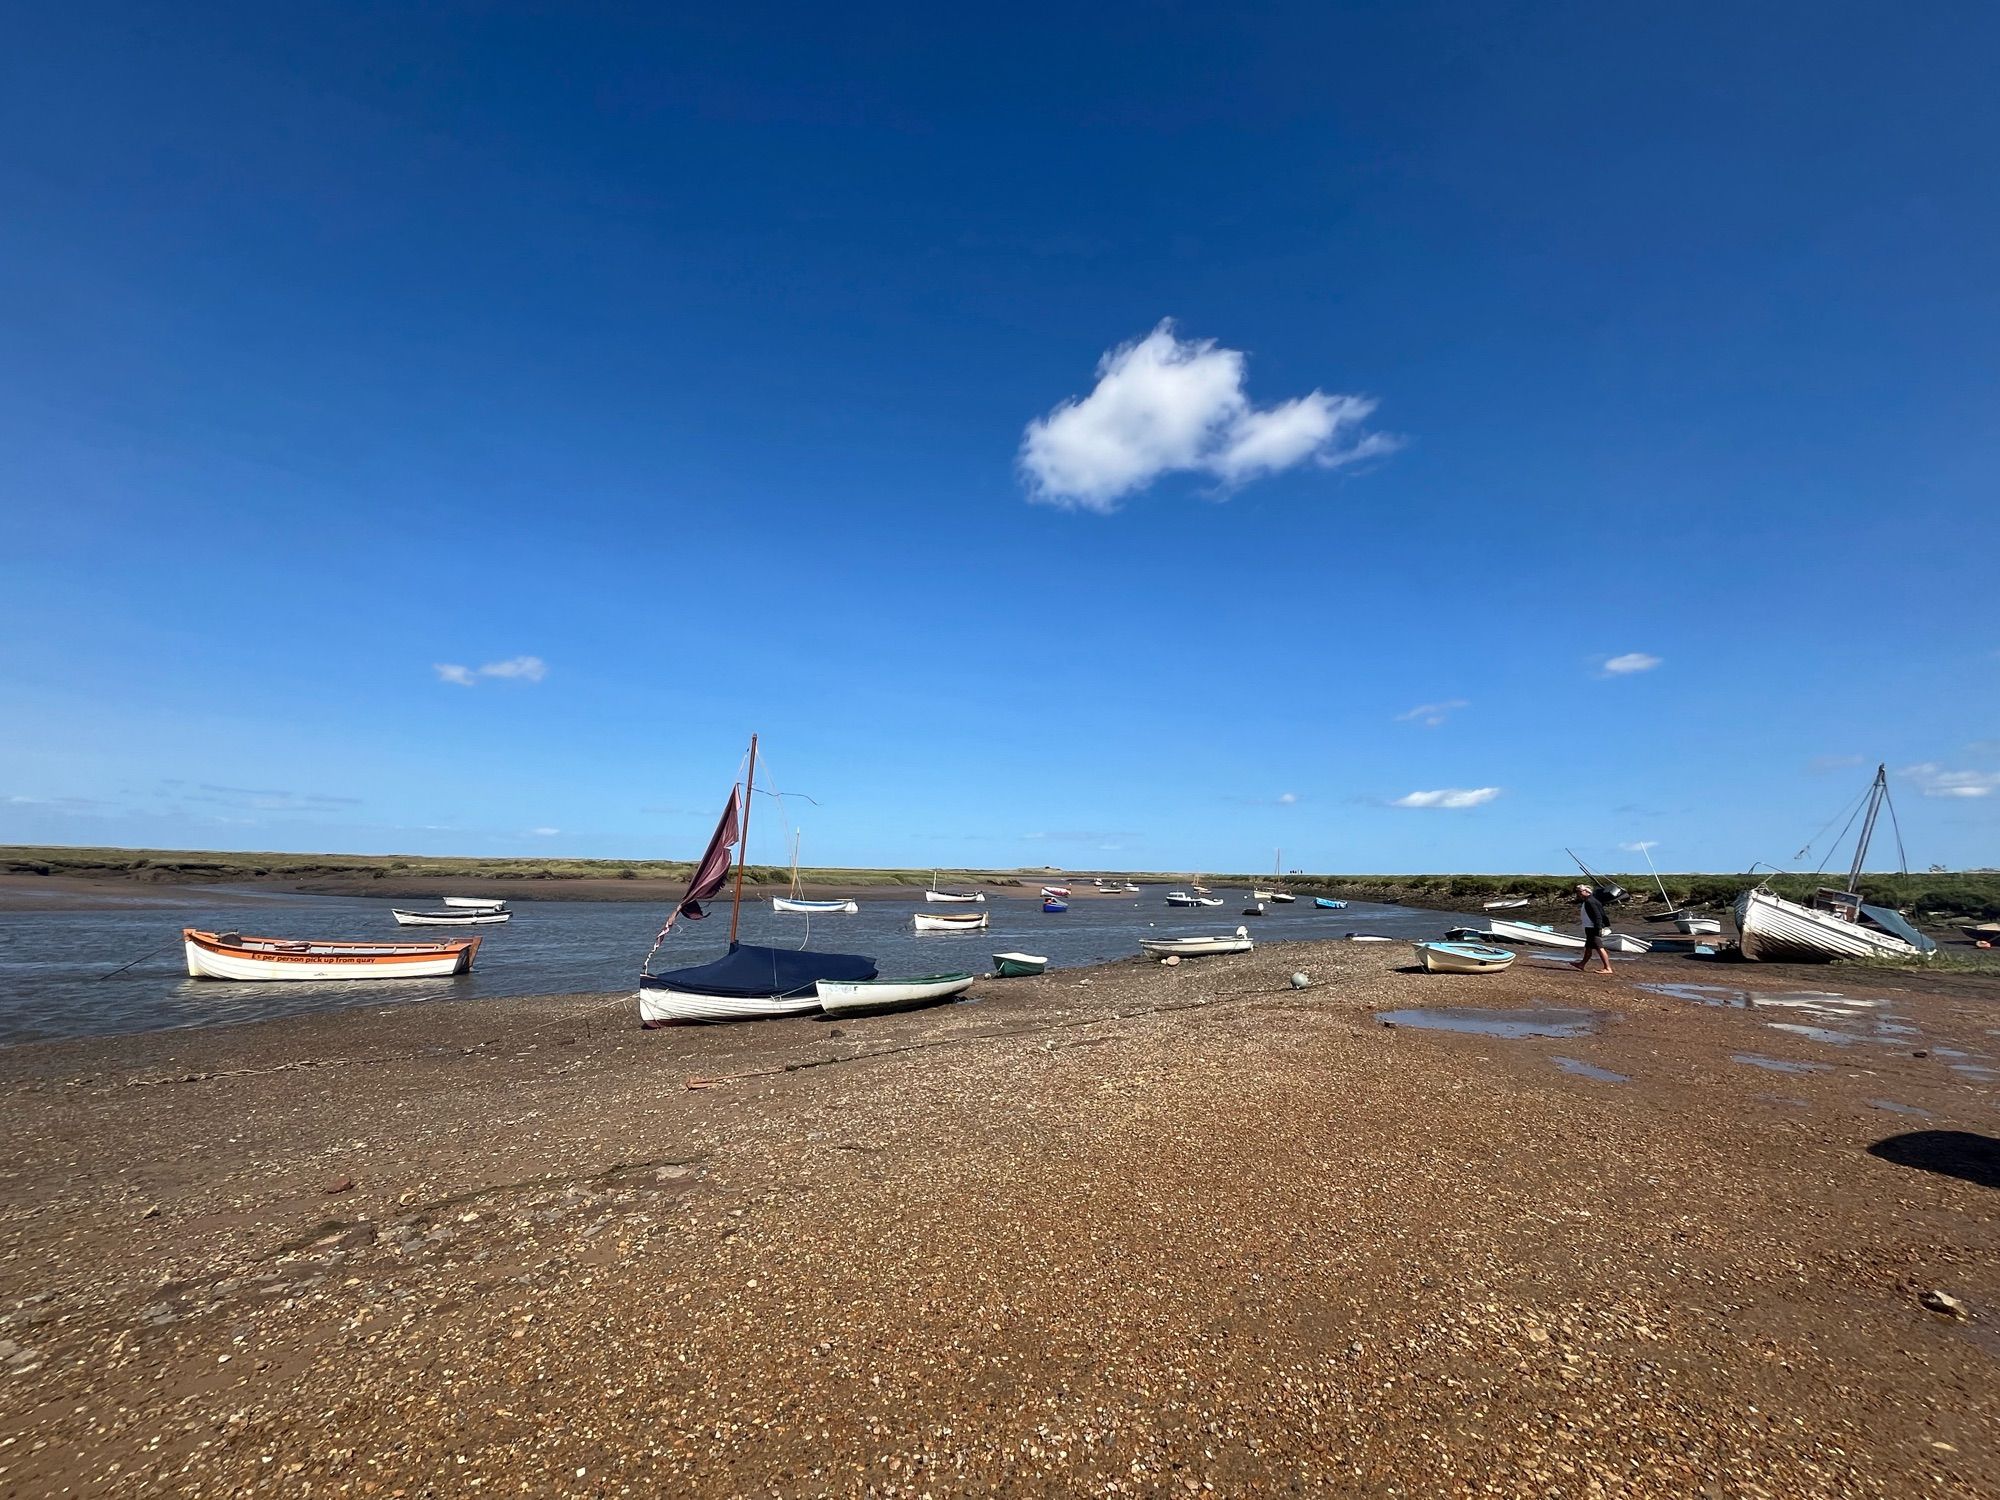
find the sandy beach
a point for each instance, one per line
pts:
(1127, 1230)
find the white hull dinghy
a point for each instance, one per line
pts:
(476, 903)
(970, 921)
(1504, 903)
(813, 908)
(1461, 958)
(1197, 947)
(1534, 934)
(1698, 926)
(1838, 924)
(934, 894)
(229, 955)
(464, 916)
(843, 997)
(1619, 942)
(748, 982)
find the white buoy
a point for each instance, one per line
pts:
(1299, 980)
(1172, 960)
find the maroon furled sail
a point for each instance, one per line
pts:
(713, 870)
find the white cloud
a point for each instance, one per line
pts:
(1630, 662)
(1286, 799)
(1430, 715)
(1641, 847)
(1934, 780)
(522, 668)
(545, 833)
(1164, 405)
(1451, 796)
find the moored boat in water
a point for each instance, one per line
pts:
(230, 955)
(794, 899)
(942, 921)
(1327, 903)
(934, 894)
(481, 903)
(461, 916)
(1054, 904)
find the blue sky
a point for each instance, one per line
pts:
(1068, 437)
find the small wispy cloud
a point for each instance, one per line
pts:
(518, 668)
(1934, 780)
(1430, 715)
(1450, 796)
(1823, 765)
(1165, 405)
(1630, 662)
(1641, 846)
(544, 833)
(1286, 799)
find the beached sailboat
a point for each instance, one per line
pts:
(1461, 958)
(838, 997)
(1837, 924)
(1696, 926)
(794, 901)
(1060, 892)
(934, 894)
(749, 981)
(1504, 903)
(461, 916)
(230, 955)
(1197, 947)
(952, 921)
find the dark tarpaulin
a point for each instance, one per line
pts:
(749, 972)
(713, 869)
(1893, 923)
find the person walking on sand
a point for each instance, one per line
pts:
(1595, 927)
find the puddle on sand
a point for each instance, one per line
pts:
(1507, 1023)
(1589, 1070)
(1812, 1033)
(1778, 1064)
(1827, 1003)
(1898, 1109)
(1974, 1070)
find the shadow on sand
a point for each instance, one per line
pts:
(1954, 1153)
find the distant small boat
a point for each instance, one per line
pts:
(1254, 909)
(1058, 891)
(1619, 942)
(1053, 903)
(1274, 894)
(1282, 897)
(1367, 937)
(1259, 895)
(793, 902)
(1208, 901)
(934, 894)
(1692, 925)
(1327, 903)
(1201, 890)
(458, 916)
(1131, 888)
(840, 997)
(1504, 903)
(1982, 932)
(1461, 958)
(971, 921)
(1018, 965)
(1182, 898)
(1197, 947)
(482, 903)
(1535, 934)
(229, 955)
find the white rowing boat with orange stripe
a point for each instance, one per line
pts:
(230, 955)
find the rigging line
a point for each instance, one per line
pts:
(1902, 859)
(1850, 809)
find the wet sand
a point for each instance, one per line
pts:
(1127, 1230)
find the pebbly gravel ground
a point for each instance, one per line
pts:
(1129, 1230)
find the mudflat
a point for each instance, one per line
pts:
(1125, 1230)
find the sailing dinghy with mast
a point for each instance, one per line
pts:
(1837, 924)
(792, 901)
(749, 981)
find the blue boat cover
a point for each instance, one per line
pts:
(748, 972)
(1893, 923)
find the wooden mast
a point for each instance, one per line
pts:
(743, 849)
